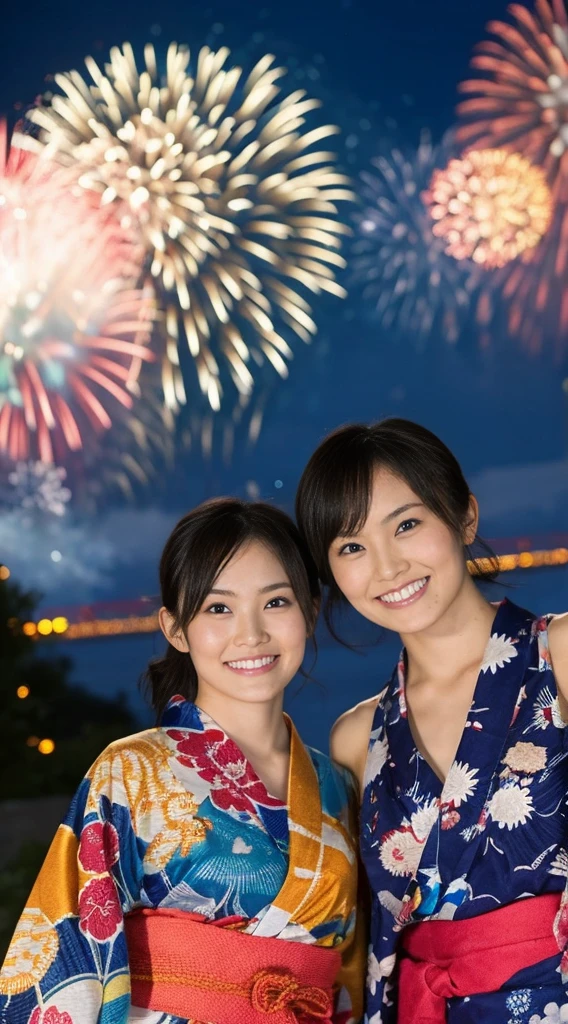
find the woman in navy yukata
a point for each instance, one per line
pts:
(462, 756)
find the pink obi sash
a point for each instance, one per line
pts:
(185, 965)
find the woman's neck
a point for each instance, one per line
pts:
(458, 638)
(258, 729)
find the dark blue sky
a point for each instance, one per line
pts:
(393, 68)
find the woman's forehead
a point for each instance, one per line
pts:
(251, 562)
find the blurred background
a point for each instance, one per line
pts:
(200, 276)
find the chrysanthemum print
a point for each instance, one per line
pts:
(499, 650)
(489, 835)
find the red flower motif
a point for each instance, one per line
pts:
(98, 849)
(50, 1016)
(561, 926)
(218, 760)
(100, 912)
(449, 819)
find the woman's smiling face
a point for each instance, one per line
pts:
(404, 567)
(247, 641)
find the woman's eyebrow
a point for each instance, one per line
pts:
(399, 511)
(263, 590)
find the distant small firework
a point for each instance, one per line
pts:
(236, 203)
(520, 98)
(36, 486)
(401, 265)
(490, 206)
(74, 326)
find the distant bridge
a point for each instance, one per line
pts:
(140, 615)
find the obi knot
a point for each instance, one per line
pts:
(274, 991)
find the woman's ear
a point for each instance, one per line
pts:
(471, 522)
(174, 636)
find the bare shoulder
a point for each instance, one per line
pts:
(349, 739)
(558, 645)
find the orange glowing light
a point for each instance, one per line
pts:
(32, 741)
(22, 692)
(4, 572)
(489, 206)
(45, 627)
(29, 629)
(46, 746)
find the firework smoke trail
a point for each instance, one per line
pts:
(235, 200)
(74, 325)
(398, 263)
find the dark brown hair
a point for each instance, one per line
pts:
(334, 494)
(197, 550)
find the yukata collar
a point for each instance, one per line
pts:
(493, 707)
(305, 821)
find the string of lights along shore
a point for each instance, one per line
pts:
(172, 226)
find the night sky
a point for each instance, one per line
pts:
(384, 72)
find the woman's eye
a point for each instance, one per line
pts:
(278, 602)
(351, 548)
(407, 525)
(218, 609)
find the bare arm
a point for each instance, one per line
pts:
(558, 643)
(349, 739)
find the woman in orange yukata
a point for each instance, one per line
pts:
(207, 869)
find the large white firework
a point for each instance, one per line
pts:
(236, 202)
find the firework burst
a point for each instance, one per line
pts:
(397, 259)
(520, 100)
(36, 486)
(489, 207)
(235, 201)
(521, 95)
(74, 327)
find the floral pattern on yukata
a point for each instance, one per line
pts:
(176, 817)
(494, 832)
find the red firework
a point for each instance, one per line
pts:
(74, 325)
(520, 101)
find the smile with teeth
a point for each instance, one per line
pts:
(405, 594)
(253, 663)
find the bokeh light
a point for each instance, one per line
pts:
(22, 692)
(46, 746)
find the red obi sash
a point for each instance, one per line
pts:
(444, 959)
(185, 965)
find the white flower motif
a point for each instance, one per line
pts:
(553, 1014)
(377, 756)
(423, 819)
(499, 650)
(377, 970)
(525, 757)
(559, 865)
(519, 1001)
(511, 806)
(461, 783)
(400, 852)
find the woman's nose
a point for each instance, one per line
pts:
(389, 563)
(251, 631)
